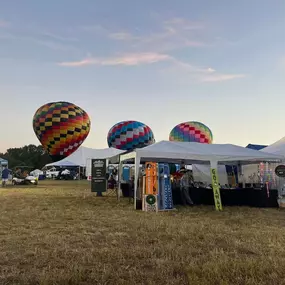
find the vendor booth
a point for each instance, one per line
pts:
(264, 172)
(193, 153)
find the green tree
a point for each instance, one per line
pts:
(30, 155)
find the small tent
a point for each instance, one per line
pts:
(3, 162)
(82, 155)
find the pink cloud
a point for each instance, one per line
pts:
(3, 24)
(127, 60)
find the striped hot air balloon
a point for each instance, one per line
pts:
(129, 135)
(191, 132)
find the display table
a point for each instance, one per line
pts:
(231, 197)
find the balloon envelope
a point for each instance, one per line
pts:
(191, 132)
(61, 127)
(129, 135)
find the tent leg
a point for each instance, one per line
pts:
(137, 168)
(120, 171)
(216, 187)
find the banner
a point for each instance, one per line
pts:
(99, 181)
(151, 183)
(150, 203)
(216, 189)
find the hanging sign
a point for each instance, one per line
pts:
(216, 190)
(99, 181)
(280, 171)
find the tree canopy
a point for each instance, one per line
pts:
(31, 156)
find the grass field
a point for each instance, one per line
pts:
(60, 233)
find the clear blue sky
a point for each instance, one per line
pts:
(160, 62)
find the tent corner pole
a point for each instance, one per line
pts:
(137, 165)
(119, 178)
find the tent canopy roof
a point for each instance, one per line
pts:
(276, 148)
(81, 155)
(190, 152)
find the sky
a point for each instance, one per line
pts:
(161, 62)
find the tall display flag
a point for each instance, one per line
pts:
(150, 195)
(99, 179)
(61, 127)
(165, 190)
(216, 189)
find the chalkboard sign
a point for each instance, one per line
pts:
(280, 171)
(99, 181)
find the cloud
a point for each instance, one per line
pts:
(175, 33)
(4, 24)
(221, 77)
(58, 37)
(44, 40)
(52, 45)
(127, 60)
(198, 74)
(123, 36)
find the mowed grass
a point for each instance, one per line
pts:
(60, 233)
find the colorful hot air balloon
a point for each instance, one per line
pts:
(129, 135)
(61, 127)
(191, 132)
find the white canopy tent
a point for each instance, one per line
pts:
(196, 153)
(276, 148)
(82, 155)
(251, 171)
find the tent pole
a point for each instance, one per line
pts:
(119, 178)
(216, 186)
(137, 166)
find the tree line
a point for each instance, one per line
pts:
(31, 156)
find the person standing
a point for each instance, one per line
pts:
(5, 176)
(185, 182)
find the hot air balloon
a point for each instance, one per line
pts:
(129, 135)
(61, 127)
(191, 132)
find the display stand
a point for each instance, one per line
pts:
(157, 192)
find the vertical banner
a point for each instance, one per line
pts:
(151, 182)
(150, 196)
(98, 170)
(165, 190)
(216, 189)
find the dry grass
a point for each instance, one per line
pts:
(62, 234)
